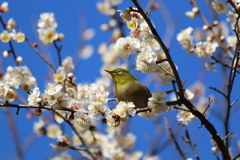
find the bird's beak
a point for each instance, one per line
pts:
(108, 71)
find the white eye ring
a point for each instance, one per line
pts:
(119, 72)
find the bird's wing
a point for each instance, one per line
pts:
(135, 92)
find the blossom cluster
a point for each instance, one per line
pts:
(19, 77)
(9, 33)
(47, 29)
(141, 42)
(113, 145)
(217, 34)
(202, 49)
(88, 101)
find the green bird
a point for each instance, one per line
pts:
(129, 89)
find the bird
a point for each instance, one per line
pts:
(129, 89)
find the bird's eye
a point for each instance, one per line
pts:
(119, 72)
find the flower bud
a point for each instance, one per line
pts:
(19, 59)
(60, 37)
(206, 27)
(215, 23)
(222, 38)
(6, 53)
(155, 6)
(71, 117)
(190, 14)
(195, 10)
(35, 45)
(70, 76)
(38, 112)
(39, 100)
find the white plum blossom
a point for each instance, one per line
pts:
(19, 37)
(54, 96)
(4, 7)
(47, 29)
(48, 35)
(47, 20)
(189, 95)
(34, 96)
(185, 39)
(98, 94)
(184, 33)
(190, 14)
(96, 109)
(112, 150)
(214, 149)
(146, 61)
(20, 76)
(67, 64)
(219, 7)
(71, 92)
(106, 8)
(128, 141)
(109, 115)
(39, 128)
(145, 34)
(86, 52)
(205, 49)
(53, 89)
(82, 119)
(132, 24)
(126, 46)
(231, 18)
(83, 92)
(125, 109)
(210, 66)
(158, 102)
(53, 131)
(60, 75)
(5, 36)
(11, 24)
(6, 92)
(185, 117)
(231, 41)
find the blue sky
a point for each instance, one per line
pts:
(74, 16)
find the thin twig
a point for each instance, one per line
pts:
(238, 155)
(224, 64)
(189, 141)
(13, 129)
(232, 75)
(209, 103)
(58, 52)
(42, 56)
(78, 135)
(34, 107)
(171, 135)
(215, 89)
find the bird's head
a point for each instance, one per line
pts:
(121, 76)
